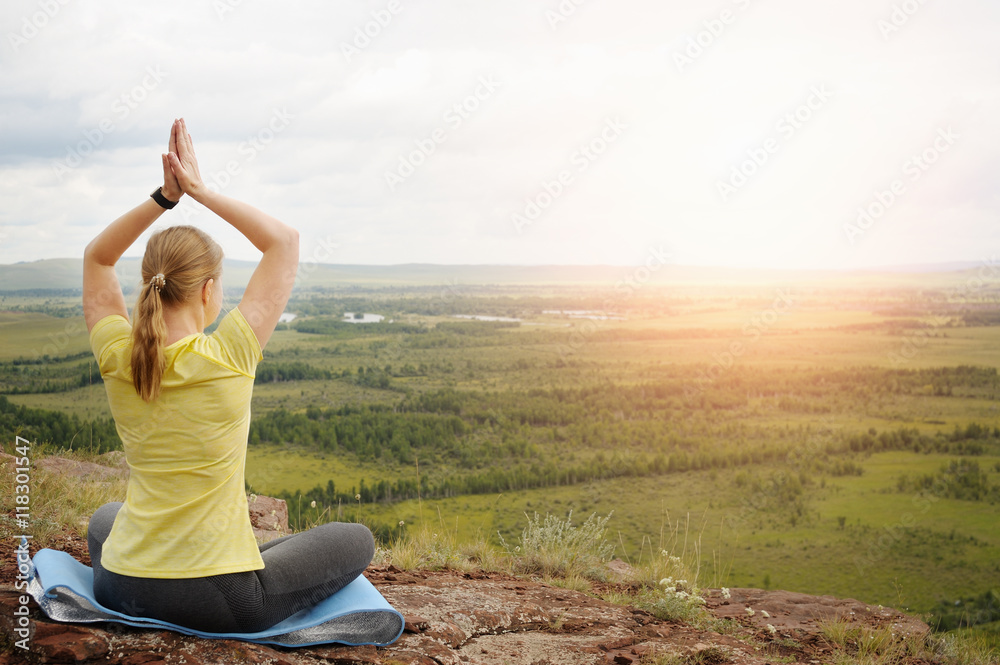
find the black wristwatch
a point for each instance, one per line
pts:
(164, 202)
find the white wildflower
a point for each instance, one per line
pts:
(666, 581)
(766, 615)
(725, 592)
(750, 611)
(771, 629)
(312, 504)
(401, 522)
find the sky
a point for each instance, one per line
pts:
(736, 133)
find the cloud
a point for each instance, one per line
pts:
(87, 99)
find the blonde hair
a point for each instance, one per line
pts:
(177, 263)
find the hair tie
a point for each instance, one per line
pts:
(158, 281)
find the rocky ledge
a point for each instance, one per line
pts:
(455, 618)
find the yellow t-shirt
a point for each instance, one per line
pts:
(185, 512)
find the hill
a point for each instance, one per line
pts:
(67, 274)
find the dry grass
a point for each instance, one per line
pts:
(709, 656)
(864, 645)
(555, 547)
(57, 502)
(440, 548)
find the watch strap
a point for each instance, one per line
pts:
(162, 200)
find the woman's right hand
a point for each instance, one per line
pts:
(183, 162)
(270, 285)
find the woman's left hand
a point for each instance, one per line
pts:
(171, 188)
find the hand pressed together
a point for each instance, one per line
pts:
(182, 161)
(171, 188)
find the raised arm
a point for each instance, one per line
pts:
(102, 294)
(271, 284)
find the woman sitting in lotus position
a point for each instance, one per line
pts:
(181, 548)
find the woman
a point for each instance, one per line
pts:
(181, 548)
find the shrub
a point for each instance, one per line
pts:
(558, 547)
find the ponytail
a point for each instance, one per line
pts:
(177, 263)
(148, 333)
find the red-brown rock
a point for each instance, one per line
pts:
(268, 516)
(452, 620)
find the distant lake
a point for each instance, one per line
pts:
(479, 317)
(351, 317)
(585, 314)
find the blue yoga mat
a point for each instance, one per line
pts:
(357, 614)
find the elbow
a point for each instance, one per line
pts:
(291, 240)
(90, 252)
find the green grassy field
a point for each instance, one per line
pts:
(35, 335)
(767, 499)
(954, 550)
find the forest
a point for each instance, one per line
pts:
(866, 407)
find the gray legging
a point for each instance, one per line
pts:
(299, 571)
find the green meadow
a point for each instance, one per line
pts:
(831, 435)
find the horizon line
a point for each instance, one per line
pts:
(931, 266)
